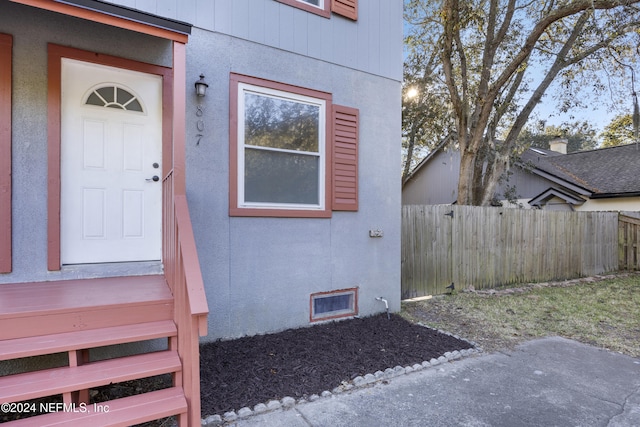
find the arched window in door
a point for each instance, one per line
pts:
(113, 96)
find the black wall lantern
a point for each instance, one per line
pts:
(201, 86)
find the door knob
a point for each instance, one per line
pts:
(155, 178)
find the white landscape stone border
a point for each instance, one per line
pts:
(369, 379)
(357, 383)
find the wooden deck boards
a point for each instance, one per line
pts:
(27, 299)
(122, 412)
(43, 308)
(76, 316)
(69, 341)
(33, 385)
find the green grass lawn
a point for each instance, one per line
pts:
(602, 313)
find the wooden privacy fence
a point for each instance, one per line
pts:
(629, 242)
(489, 247)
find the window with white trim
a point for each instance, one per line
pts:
(292, 152)
(318, 7)
(281, 143)
(317, 3)
(346, 8)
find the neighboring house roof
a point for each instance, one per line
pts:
(605, 172)
(543, 175)
(551, 193)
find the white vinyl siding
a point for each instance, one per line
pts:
(375, 39)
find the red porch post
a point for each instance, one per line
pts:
(179, 117)
(6, 43)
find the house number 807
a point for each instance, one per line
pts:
(199, 124)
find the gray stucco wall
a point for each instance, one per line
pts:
(259, 272)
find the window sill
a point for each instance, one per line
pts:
(325, 12)
(279, 213)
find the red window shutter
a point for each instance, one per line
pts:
(346, 8)
(345, 158)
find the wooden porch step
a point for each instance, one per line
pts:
(121, 412)
(49, 382)
(43, 308)
(84, 339)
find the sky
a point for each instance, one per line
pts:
(598, 113)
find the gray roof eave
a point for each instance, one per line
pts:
(131, 14)
(613, 195)
(555, 192)
(568, 185)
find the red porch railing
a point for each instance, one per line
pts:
(182, 272)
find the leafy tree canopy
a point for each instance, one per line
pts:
(619, 131)
(580, 136)
(426, 119)
(490, 62)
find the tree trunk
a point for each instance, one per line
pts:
(466, 181)
(494, 172)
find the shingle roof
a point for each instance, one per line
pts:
(605, 171)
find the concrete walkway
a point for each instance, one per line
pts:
(545, 382)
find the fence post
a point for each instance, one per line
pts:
(628, 242)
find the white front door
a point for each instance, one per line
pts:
(111, 147)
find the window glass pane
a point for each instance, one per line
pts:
(123, 96)
(280, 123)
(313, 2)
(333, 303)
(276, 177)
(134, 106)
(107, 93)
(95, 100)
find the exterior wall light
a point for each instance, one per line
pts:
(201, 86)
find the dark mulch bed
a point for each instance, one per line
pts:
(295, 363)
(306, 361)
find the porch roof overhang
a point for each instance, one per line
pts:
(117, 16)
